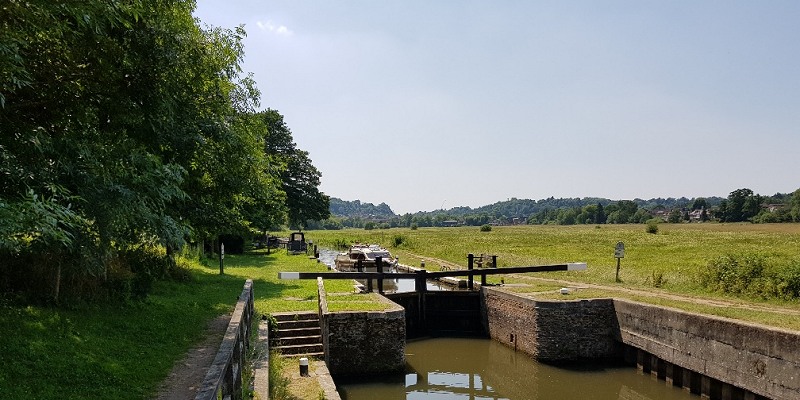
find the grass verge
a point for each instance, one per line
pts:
(125, 350)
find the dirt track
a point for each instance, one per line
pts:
(187, 374)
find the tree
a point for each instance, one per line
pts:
(741, 205)
(699, 203)
(600, 216)
(299, 178)
(674, 216)
(123, 124)
(795, 206)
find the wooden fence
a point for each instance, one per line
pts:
(224, 378)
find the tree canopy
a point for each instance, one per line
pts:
(127, 124)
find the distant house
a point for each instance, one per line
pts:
(661, 213)
(773, 207)
(450, 223)
(696, 215)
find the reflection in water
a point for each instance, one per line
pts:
(450, 368)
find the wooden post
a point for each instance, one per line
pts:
(420, 284)
(470, 265)
(221, 259)
(379, 268)
(494, 261)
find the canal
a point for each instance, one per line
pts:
(460, 368)
(327, 257)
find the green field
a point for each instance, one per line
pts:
(676, 254)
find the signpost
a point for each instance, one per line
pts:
(619, 253)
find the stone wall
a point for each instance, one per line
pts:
(715, 357)
(762, 360)
(363, 343)
(552, 330)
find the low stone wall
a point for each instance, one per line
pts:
(362, 343)
(224, 377)
(552, 330)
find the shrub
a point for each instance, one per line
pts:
(399, 240)
(369, 226)
(414, 226)
(652, 226)
(733, 273)
(486, 228)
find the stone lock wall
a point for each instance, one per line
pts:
(552, 331)
(759, 359)
(363, 343)
(716, 357)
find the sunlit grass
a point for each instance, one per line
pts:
(124, 350)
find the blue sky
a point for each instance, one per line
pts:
(437, 104)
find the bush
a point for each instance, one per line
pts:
(733, 273)
(652, 226)
(753, 275)
(399, 240)
(369, 226)
(486, 228)
(414, 226)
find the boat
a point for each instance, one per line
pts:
(365, 256)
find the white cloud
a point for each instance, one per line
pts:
(269, 26)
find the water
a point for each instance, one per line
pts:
(451, 368)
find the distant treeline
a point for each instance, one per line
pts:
(740, 205)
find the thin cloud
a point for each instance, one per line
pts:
(269, 26)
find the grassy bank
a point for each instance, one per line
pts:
(124, 351)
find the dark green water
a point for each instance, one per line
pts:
(448, 368)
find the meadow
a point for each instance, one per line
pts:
(672, 259)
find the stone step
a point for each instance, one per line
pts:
(300, 340)
(293, 316)
(285, 325)
(287, 333)
(299, 349)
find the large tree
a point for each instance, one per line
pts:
(300, 179)
(741, 205)
(122, 123)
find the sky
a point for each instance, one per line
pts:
(428, 105)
